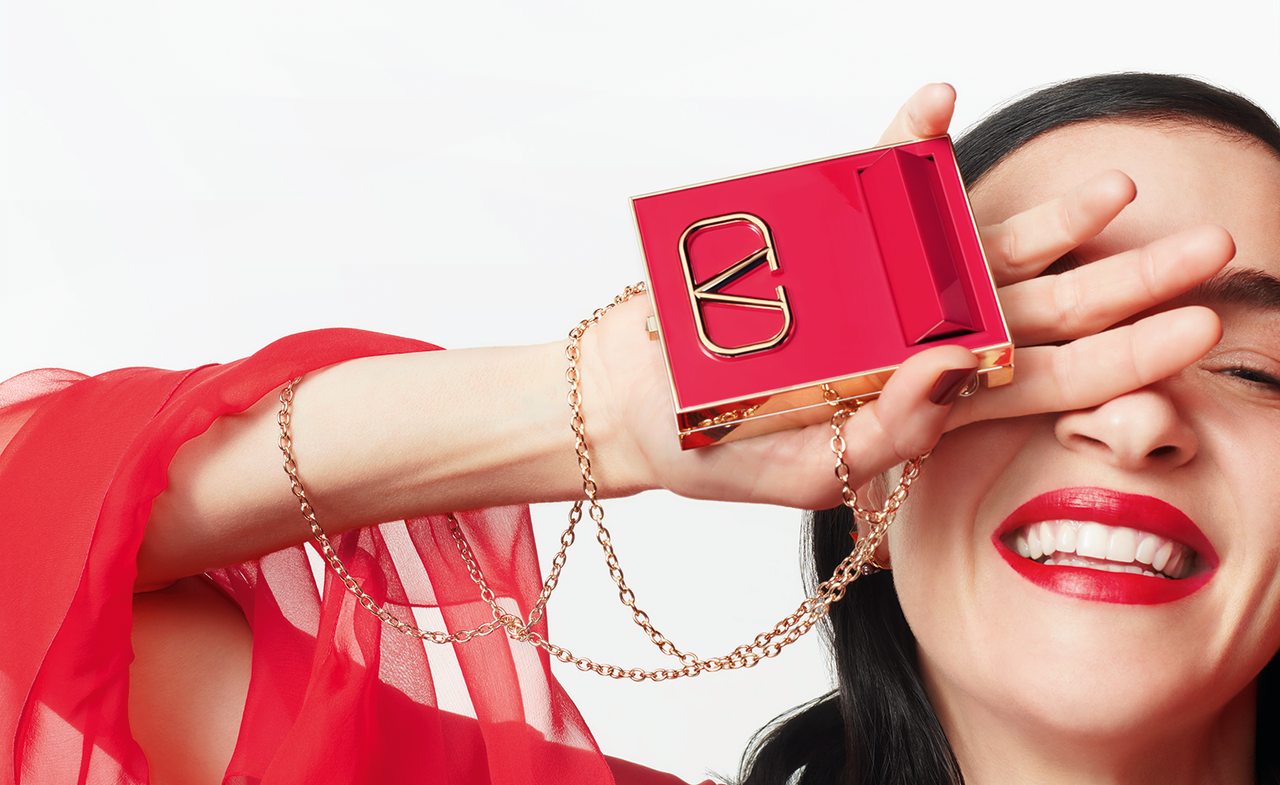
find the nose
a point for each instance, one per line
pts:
(1141, 430)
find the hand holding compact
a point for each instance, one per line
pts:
(795, 467)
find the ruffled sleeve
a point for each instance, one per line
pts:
(333, 696)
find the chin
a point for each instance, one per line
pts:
(1075, 669)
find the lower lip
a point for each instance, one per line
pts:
(1082, 583)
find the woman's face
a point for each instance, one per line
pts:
(1192, 462)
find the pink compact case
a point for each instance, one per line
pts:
(778, 293)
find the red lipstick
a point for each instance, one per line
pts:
(1110, 508)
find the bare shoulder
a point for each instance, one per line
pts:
(189, 679)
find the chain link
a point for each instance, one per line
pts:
(767, 644)
(501, 619)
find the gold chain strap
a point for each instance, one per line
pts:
(765, 645)
(501, 619)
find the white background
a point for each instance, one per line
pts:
(183, 183)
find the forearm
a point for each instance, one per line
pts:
(375, 439)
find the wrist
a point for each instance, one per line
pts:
(621, 384)
(616, 462)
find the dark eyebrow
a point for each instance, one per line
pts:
(1250, 287)
(1247, 286)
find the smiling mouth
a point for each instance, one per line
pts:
(1106, 545)
(1097, 546)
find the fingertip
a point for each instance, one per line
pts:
(938, 89)
(1202, 330)
(1204, 249)
(933, 374)
(931, 108)
(945, 90)
(951, 385)
(1117, 186)
(1218, 242)
(1207, 323)
(1193, 328)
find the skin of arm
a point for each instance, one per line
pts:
(375, 439)
(385, 438)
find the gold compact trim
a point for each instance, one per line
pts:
(805, 404)
(709, 290)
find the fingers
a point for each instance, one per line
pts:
(1093, 370)
(911, 413)
(925, 114)
(1093, 297)
(796, 468)
(1024, 245)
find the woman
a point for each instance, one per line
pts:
(312, 690)
(1061, 673)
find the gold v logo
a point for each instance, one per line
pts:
(709, 291)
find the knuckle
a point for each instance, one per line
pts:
(1062, 369)
(1141, 372)
(880, 434)
(1000, 241)
(1069, 302)
(913, 443)
(1068, 226)
(1009, 244)
(1148, 273)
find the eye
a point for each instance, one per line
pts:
(1252, 376)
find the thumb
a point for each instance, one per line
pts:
(925, 114)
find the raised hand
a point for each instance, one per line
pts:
(1067, 358)
(381, 438)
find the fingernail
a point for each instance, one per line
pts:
(949, 385)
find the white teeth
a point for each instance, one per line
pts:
(1147, 549)
(1123, 545)
(1066, 537)
(1094, 545)
(1162, 556)
(1092, 540)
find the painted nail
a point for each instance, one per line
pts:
(950, 384)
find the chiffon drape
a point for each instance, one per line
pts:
(334, 696)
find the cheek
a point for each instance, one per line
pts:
(941, 531)
(1246, 456)
(959, 479)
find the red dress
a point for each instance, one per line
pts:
(334, 696)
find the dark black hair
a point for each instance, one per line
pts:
(878, 727)
(1141, 98)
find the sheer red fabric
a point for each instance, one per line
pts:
(334, 696)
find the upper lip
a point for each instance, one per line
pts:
(1113, 508)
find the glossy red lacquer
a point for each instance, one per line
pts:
(876, 251)
(920, 249)
(1112, 508)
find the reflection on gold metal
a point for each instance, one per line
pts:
(651, 327)
(780, 410)
(997, 377)
(709, 290)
